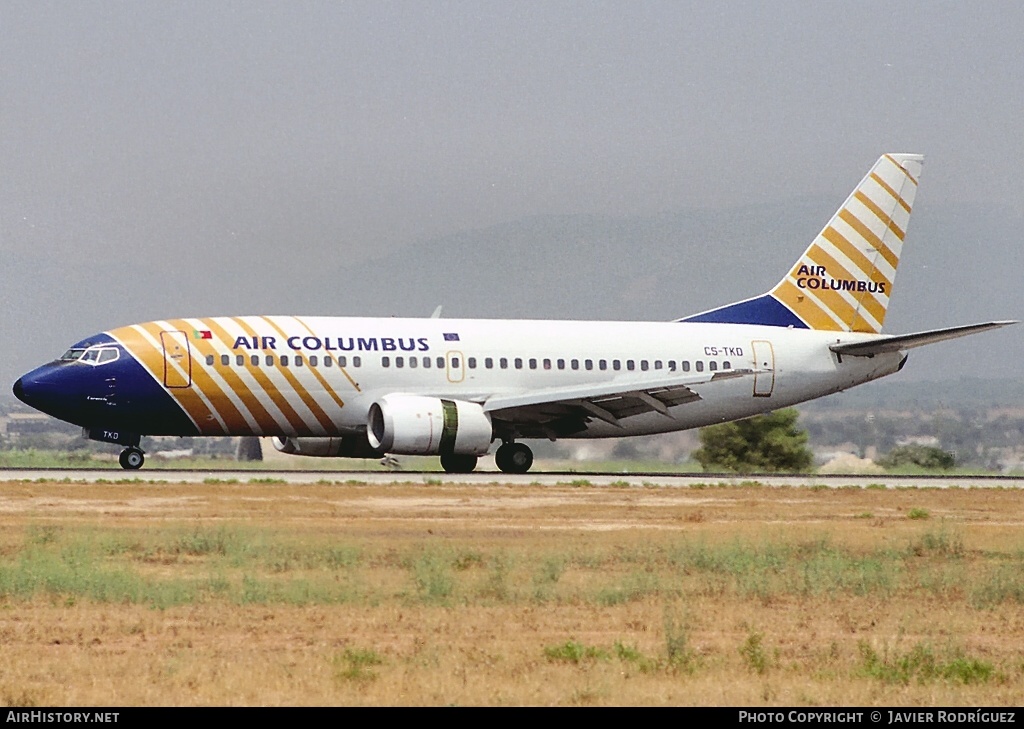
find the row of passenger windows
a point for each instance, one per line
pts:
(285, 361)
(502, 363)
(532, 363)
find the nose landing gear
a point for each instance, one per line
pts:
(513, 457)
(131, 458)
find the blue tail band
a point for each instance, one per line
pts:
(765, 310)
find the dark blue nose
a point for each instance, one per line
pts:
(19, 391)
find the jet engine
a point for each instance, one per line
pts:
(419, 426)
(347, 447)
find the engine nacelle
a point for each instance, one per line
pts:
(347, 447)
(414, 425)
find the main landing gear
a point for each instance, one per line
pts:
(131, 458)
(513, 457)
(458, 463)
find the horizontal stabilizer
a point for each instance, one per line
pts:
(895, 343)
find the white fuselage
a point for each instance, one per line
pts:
(480, 360)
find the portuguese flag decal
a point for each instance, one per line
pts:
(202, 334)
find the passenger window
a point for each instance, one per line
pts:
(588, 364)
(385, 361)
(328, 361)
(700, 365)
(357, 361)
(471, 362)
(298, 360)
(547, 364)
(503, 363)
(657, 364)
(240, 360)
(209, 359)
(643, 365)
(533, 363)
(561, 364)
(672, 365)
(413, 362)
(686, 365)
(616, 365)
(575, 364)
(629, 365)
(440, 363)
(255, 360)
(727, 365)
(313, 360)
(224, 359)
(343, 361)
(399, 362)
(284, 360)
(713, 366)
(488, 363)
(602, 364)
(270, 360)
(519, 363)
(426, 362)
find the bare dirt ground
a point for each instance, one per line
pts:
(435, 594)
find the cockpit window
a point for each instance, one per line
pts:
(71, 355)
(99, 355)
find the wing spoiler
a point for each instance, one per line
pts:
(895, 343)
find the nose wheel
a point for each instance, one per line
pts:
(513, 458)
(131, 459)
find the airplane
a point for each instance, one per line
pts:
(369, 387)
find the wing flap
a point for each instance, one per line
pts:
(560, 411)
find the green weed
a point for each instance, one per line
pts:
(923, 665)
(356, 664)
(574, 652)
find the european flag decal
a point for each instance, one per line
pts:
(451, 337)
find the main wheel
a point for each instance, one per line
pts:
(458, 463)
(131, 459)
(514, 458)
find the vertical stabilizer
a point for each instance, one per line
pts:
(843, 281)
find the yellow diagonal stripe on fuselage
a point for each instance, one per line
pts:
(230, 412)
(294, 420)
(268, 423)
(316, 372)
(314, 407)
(143, 342)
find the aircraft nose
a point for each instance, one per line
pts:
(19, 391)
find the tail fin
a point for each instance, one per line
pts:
(843, 281)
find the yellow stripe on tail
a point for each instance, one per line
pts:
(844, 280)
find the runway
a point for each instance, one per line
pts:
(477, 478)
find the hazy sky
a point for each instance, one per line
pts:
(160, 159)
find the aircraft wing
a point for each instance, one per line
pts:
(562, 411)
(895, 343)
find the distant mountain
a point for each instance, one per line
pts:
(955, 270)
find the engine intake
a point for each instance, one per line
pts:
(415, 425)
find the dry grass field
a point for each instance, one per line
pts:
(435, 594)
